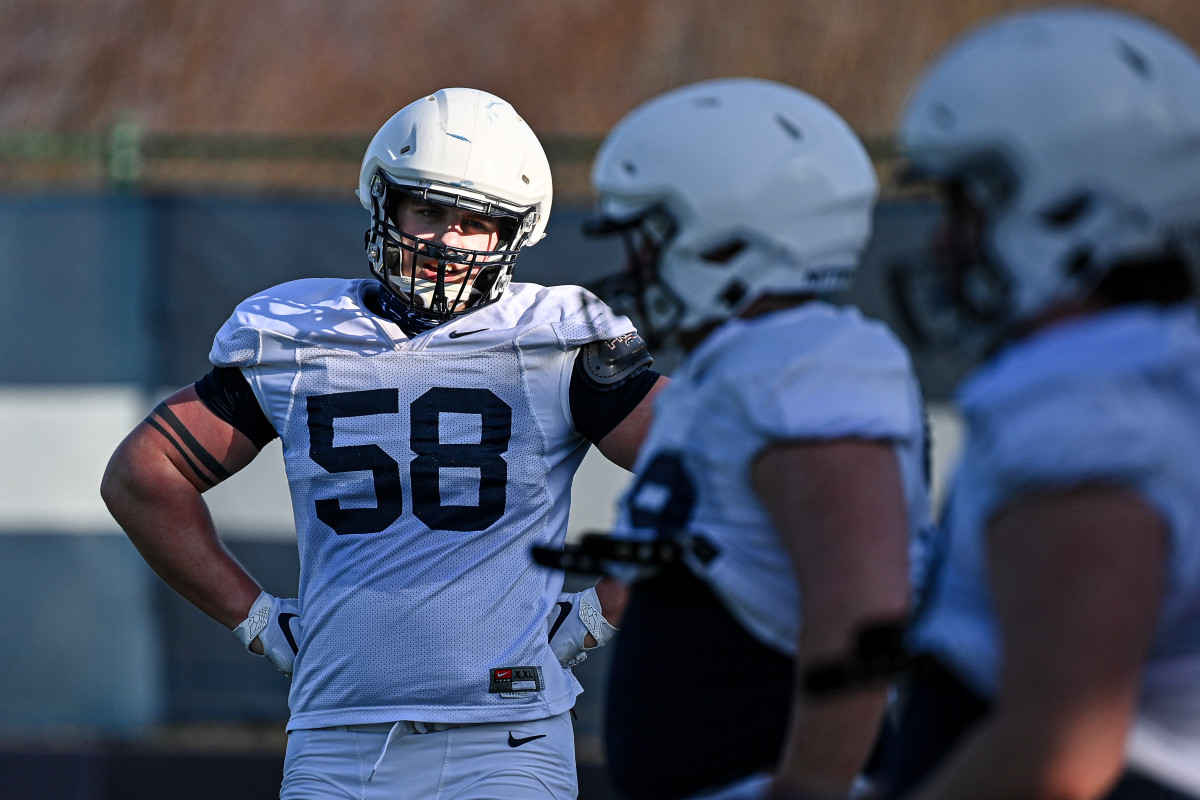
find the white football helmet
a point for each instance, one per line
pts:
(463, 148)
(728, 190)
(1074, 133)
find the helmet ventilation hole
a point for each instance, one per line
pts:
(943, 117)
(1080, 261)
(723, 253)
(733, 293)
(789, 127)
(1068, 211)
(1134, 58)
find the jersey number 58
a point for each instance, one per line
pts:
(424, 471)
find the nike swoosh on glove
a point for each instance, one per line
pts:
(275, 622)
(572, 618)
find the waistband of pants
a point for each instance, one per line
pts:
(401, 727)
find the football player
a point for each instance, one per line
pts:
(431, 418)
(787, 454)
(1063, 626)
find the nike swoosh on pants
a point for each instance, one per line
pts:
(515, 742)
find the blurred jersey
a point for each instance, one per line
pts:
(814, 372)
(1114, 398)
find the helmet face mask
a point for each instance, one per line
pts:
(464, 278)
(468, 152)
(954, 294)
(726, 191)
(638, 290)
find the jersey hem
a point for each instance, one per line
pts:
(430, 714)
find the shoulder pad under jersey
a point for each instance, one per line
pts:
(608, 363)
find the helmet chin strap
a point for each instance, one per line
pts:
(401, 314)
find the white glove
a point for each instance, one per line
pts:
(571, 620)
(276, 623)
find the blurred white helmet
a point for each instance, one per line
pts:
(728, 190)
(1075, 134)
(463, 148)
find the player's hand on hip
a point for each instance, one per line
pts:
(572, 618)
(274, 623)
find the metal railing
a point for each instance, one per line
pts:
(128, 158)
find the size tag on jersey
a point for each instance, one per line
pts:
(515, 681)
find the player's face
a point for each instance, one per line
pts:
(444, 225)
(960, 237)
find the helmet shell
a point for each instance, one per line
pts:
(1092, 118)
(463, 142)
(741, 159)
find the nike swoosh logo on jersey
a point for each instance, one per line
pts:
(457, 334)
(564, 608)
(515, 742)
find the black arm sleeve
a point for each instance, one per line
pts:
(227, 394)
(608, 381)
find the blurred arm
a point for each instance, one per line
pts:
(1077, 578)
(840, 511)
(153, 485)
(614, 596)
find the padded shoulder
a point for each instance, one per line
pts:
(1082, 402)
(574, 315)
(326, 312)
(607, 364)
(820, 372)
(1070, 431)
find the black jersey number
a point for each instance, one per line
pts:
(425, 471)
(664, 496)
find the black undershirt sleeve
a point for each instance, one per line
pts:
(227, 394)
(597, 410)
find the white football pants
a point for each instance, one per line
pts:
(493, 761)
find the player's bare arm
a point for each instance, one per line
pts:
(839, 508)
(1077, 579)
(621, 445)
(153, 487)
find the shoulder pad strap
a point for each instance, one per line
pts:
(607, 364)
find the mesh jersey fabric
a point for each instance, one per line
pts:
(422, 470)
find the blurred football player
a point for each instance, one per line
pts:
(431, 419)
(788, 452)
(1064, 619)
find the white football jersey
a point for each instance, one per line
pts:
(1111, 398)
(811, 372)
(422, 471)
